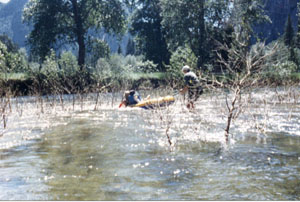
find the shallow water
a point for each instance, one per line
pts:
(77, 152)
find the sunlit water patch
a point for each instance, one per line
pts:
(92, 150)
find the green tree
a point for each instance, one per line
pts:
(247, 14)
(226, 38)
(11, 61)
(3, 55)
(182, 56)
(59, 22)
(196, 23)
(184, 23)
(11, 46)
(146, 26)
(96, 49)
(288, 39)
(67, 64)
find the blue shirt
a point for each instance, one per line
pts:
(133, 98)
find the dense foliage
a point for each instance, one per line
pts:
(57, 22)
(162, 36)
(12, 60)
(147, 26)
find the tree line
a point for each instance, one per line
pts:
(165, 35)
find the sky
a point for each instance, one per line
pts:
(4, 1)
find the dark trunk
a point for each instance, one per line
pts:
(80, 34)
(81, 52)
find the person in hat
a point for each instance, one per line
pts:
(192, 86)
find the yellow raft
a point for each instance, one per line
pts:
(155, 102)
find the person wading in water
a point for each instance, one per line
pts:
(192, 85)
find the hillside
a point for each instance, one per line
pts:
(278, 11)
(11, 21)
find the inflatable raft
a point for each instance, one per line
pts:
(155, 102)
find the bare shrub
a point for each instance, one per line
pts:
(241, 73)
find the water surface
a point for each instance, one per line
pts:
(79, 152)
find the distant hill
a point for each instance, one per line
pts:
(278, 11)
(11, 21)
